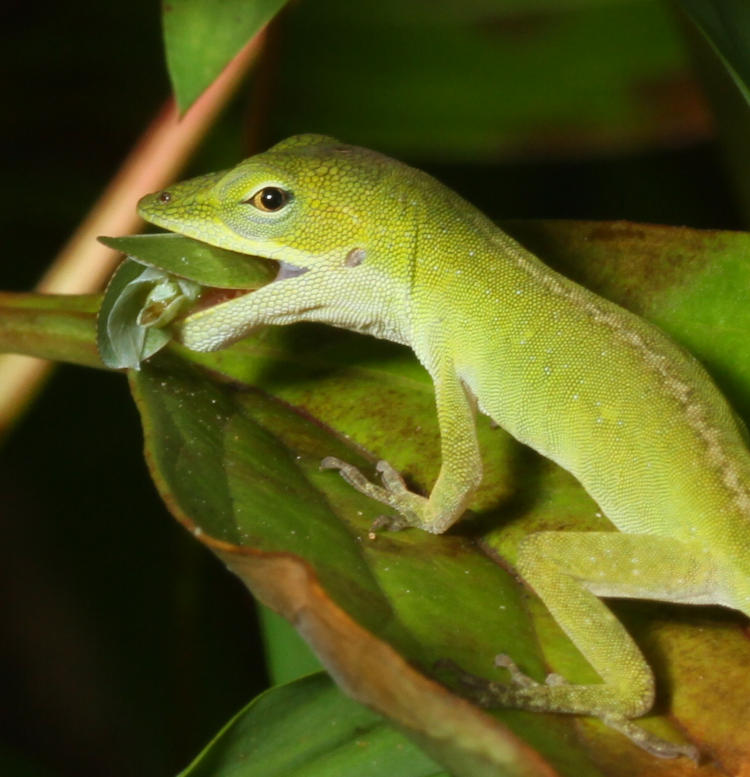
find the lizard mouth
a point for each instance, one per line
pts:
(211, 296)
(287, 270)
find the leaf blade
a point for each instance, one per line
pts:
(202, 36)
(279, 734)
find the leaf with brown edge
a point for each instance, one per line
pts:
(410, 598)
(240, 470)
(234, 440)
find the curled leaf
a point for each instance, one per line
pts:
(139, 302)
(162, 277)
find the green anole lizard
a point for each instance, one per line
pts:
(369, 244)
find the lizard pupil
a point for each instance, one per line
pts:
(270, 199)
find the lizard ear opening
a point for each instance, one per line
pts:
(355, 257)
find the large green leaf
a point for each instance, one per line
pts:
(241, 470)
(310, 729)
(236, 458)
(201, 36)
(299, 537)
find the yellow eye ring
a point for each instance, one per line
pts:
(269, 199)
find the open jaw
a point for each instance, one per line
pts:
(211, 296)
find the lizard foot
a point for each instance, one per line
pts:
(522, 692)
(394, 493)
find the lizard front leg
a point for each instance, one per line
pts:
(460, 470)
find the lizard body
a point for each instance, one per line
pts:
(369, 244)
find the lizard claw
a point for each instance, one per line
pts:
(388, 523)
(392, 480)
(517, 677)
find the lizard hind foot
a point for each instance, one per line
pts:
(480, 690)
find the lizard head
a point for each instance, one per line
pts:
(306, 201)
(323, 210)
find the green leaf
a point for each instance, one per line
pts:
(199, 262)
(201, 36)
(138, 303)
(241, 471)
(234, 440)
(238, 463)
(310, 729)
(287, 655)
(726, 25)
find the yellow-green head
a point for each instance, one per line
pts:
(305, 198)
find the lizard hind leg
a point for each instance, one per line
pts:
(570, 571)
(519, 692)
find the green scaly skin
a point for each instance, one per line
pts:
(389, 251)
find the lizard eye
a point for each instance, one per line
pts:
(269, 199)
